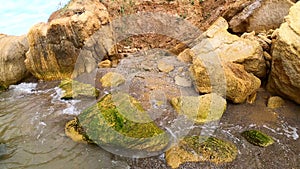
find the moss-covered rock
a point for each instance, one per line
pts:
(200, 149)
(201, 109)
(119, 121)
(72, 89)
(75, 132)
(112, 79)
(257, 138)
(3, 88)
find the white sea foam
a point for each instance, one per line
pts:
(24, 87)
(290, 132)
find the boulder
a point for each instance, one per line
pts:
(223, 61)
(260, 15)
(12, 56)
(239, 84)
(217, 41)
(201, 149)
(55, 46)
(200, 109)
(284, 79)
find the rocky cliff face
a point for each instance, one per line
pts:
(12, 56)
(284, 78)
(55, 46)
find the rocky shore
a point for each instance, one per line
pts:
(141, 71)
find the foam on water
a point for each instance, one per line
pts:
(24, 87)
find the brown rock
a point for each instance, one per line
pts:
(260, 16)
(217, 41)
(284, 79)
(55, 46)
(239, 84)
(164, 66)
(105, 64)
(12, 56)
(275, 102)
(220, 66)
(186, 56)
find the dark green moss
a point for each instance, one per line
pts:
(2, 88)
(106, 123)
(73, 89)
(257, 138)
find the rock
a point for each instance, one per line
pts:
(54, 47)
(119, 121)
(74, 131)
(74, 89)
(197, 149)
(200, 109)
(165, 67)
(257, 138)
(260, 16)
(284, 79)
(12, 56)
(112, 79)
(239, 84)
(186, 56)
(275, 102)
(181, 81)
(105, 64)
(220, 63)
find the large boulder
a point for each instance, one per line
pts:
(259, 15)
(284, 79)
(223, 60)
(12, 56)
(56, 45)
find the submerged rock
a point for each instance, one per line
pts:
(257, 138)
(201, 109)
(12, 56)
(119, 121)
(75, 132)
(73, 89)
(284, 79)
(197, 149)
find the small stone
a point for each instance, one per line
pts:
(165, 67)
(105, 64)
(186, 56)
(275, 102)
(257, 138)
(112, 79)
(181, 81)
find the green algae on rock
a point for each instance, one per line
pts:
(112, 79)
(257, 138)
(75, 132)
(200, 149)
(73, 89)
(3, 88)
(106, 124)
(201, 109)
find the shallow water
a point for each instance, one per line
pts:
(32, 119)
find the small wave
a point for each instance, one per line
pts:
(24, 87)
